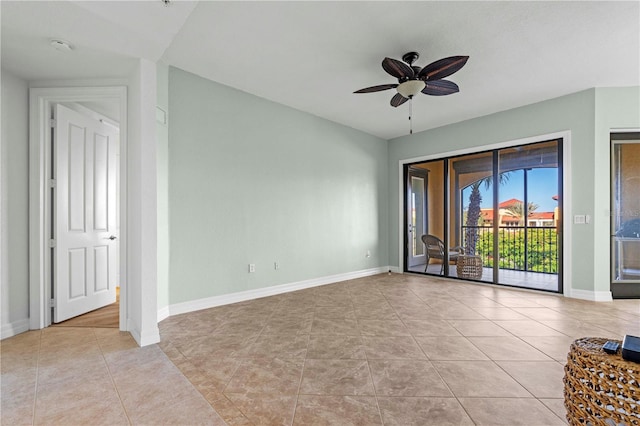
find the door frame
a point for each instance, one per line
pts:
(40, 101)
(423, 173)
(567, 212)
(621, 289)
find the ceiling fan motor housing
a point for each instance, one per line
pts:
(410, 57)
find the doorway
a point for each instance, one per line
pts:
(98, 103)
(494, 216)
(417, 182)
(625, 215)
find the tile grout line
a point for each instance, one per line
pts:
(444, 381)
(304, 363)
(373, 383)
(427, 358)
(187, 359)
(506, 372)
(113, 382)
(35, 391)
(492, 360)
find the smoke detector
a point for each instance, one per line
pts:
(61, 45)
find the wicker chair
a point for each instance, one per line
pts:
(435, 250)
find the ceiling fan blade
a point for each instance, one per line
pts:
(397, 68)
(398, 100)
(442, 68)
(377, 88)
(440, 88)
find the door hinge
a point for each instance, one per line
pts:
(52, 183)
(52, 243)
(52, 303)
(52, 123)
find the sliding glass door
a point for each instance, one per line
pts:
(496, 216)
(417, 215)
(625, 215)
(424, 206)
(471, 224)
(529, 234)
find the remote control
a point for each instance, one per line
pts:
(611, 347)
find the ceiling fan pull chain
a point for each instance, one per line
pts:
(410, 114)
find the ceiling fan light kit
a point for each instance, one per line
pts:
(413, 79)
(410, 88)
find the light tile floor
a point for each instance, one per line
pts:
(388, 349)
(93, 376)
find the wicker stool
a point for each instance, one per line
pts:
(600, 388)
(469, 267)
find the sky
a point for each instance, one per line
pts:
(543, 184)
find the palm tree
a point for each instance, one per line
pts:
(517, 209)
(473, 214)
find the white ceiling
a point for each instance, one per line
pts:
(312, 55)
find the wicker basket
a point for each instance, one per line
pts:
(469, 267)
(600, 388)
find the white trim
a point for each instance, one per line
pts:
(163, 313)
(594, 296)
(566, 188)
(567, 214)
(145, 338)
(623, 130)
(401, 213)
(225, 299)
(40, 100)
(13, 328)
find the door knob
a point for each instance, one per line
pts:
(112, 237)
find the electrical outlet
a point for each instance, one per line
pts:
(368, 254)
(276, 266)
(252, 267)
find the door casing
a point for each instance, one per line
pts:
(40, 101)
(629, 288)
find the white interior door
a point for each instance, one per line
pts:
(85, 257)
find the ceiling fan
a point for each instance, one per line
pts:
(413, 79)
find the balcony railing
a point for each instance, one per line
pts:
(520, 248)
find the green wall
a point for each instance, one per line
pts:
(587, 115)
(252, 181)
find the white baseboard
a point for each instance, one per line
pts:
(148, 338)
(226, 299)
(13, 328)
(594, 296)
(163, 313)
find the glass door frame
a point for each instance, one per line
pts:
(560, 138)
(410, 228)
(622, 288)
